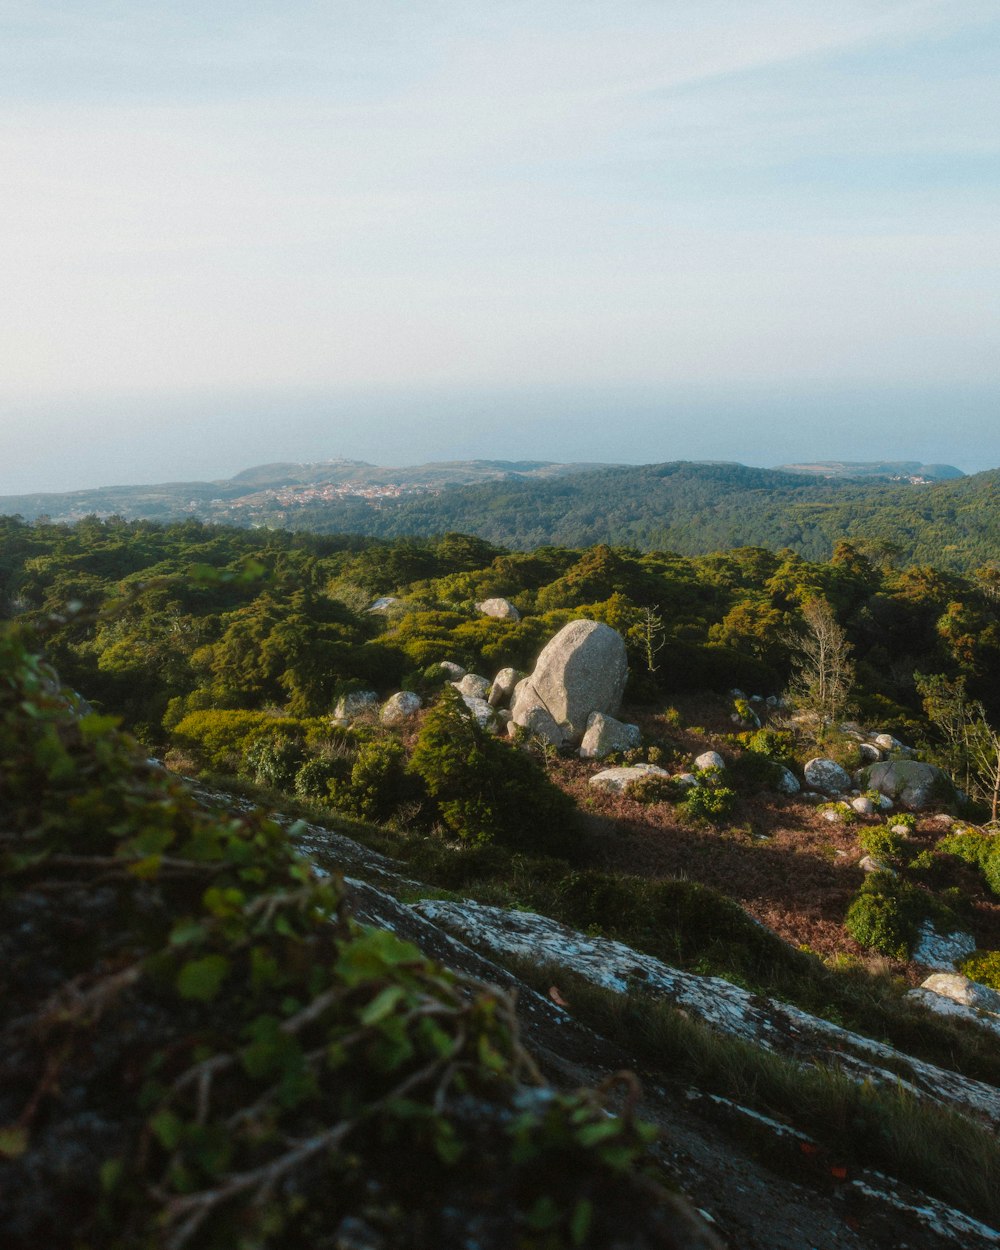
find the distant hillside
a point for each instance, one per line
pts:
(691, 508)
(890, 470)
(694, 509)
(257, 492)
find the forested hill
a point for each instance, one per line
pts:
(694, 509)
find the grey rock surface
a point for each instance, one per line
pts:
(499, 609)
(914, 785)
(581, 670)
(400, 707)
(604, 735)
(826, 776)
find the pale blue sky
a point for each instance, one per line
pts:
(577, 229)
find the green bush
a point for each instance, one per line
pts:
(486, 789)
(712, 802)
(652, 788)
(378, 782)
(274, 762)
(982, 850)
(883, 844)
(886, 913)
(984, 967)
(312, 781)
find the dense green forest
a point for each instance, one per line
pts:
(688, 508)
(225, 618)
(698, 508)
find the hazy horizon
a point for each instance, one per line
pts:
(450, 229)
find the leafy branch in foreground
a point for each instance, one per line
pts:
(203, 1049)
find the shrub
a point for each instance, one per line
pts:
(979, 849)
(984, 967)
(274, 762)
(883, 844)
(886, 913)
(709, 802)
(312, 781)
(378, 781)
(776, 744)
(651, 788)
(488, 790)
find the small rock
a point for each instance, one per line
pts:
(499, 609)
(604, 734)
(503, 686)
(687, 780)
(384, 603)
(834, 816)
(870, 864)
(400, 707)
(484, 715)
(787, 782)
(887, 742)
(863, 806)
(869, 754)
(454, 672)
(356, 703)
(962, 990)
(617, 780)
(537, 720)
(710, 759)
(474, 685)
(826, 775)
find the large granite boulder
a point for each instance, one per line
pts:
(604, 735)
(581, 670)
(826, 776)
(911, 783)
(499, 609)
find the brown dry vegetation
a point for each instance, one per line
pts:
(779, 858)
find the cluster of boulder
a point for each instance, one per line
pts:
(569, 698)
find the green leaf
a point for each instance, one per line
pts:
(382, 1005)
(13, 1141)
(111, 1173)
(201, 978)
(167, 1128)
(580, 1221)
(590, 1134)
(543, 1214)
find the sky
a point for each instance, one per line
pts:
(441, 229)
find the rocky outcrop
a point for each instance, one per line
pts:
(942, 950)
(581, 670)
(724, 1007)
(914, 785)
(605, 735)
(826, 776)
(786, 781)
(499, 609)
